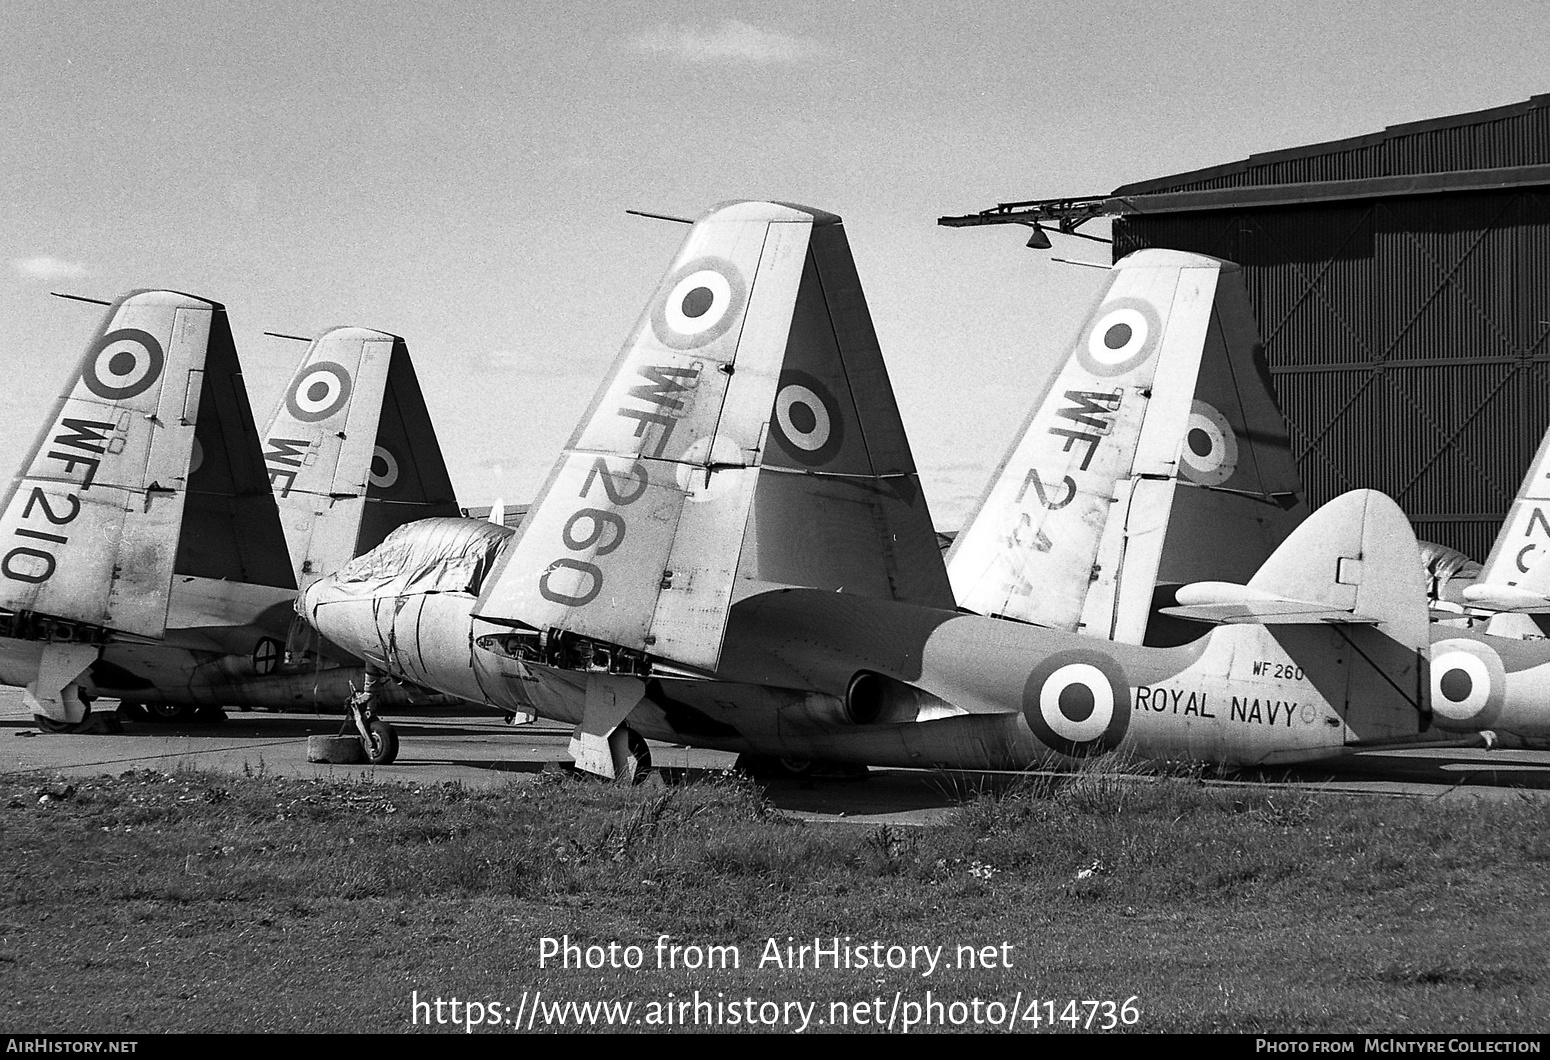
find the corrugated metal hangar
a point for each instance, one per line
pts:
(1400, 283)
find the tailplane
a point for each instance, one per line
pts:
(1353, 568)
(1355, 561)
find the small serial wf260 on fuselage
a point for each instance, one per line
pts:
(734, 552)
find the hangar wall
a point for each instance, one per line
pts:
(1402, 286)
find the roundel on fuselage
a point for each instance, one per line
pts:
(808, 423)
(704, 298)
(1210, 453)
(1125, 333)
(1078, 703)
(1468, 685)
(122, 364)
(320, 390)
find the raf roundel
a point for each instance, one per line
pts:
(1078, 703)
(704, 299)
(321, 390)
(1468, 685)
(1124, 334)
(385, 468)
(122, 364)
(807, 419)
(1210, 453)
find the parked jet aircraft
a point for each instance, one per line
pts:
(734, 552)
(140, 522)
(1095, 527)
(225, 641)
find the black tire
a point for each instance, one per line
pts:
(169, 712)
(382, 746)
(48, 724)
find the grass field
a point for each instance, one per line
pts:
(156, 902)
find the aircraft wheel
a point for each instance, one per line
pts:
(382, 747)
(169, 711)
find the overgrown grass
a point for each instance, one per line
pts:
(209, 902)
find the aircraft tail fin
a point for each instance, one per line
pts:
(748, 437)
(351, 451)
(1353, 562)
(91, 525)
(1162, 410)
(231, 527)
(1238, 487)
(1524, 539)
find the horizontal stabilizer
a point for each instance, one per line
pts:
(1226, 602)
(1507, 598)
(1354, 561)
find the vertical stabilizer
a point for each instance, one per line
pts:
(1524, 538)
(1238, 489)
(91, 525)
(231, 527)
(1103, 441)
(351, 452)
(747, 432)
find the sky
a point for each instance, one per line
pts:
(458, 173)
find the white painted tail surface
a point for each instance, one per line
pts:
(1111, 417)
(747, 437)
(351, 452)
(91, 523)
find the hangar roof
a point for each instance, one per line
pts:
(1511, 137)
(1484, 150)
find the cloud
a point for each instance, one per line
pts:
(732, 41)
(44, 267)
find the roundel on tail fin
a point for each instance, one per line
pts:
(1468, 685)
(320, 390)
(123, 363)
(704, 299)
(1124, 333)
(1078, 703)
(1210, 453)
(385, 468)
(809, 423)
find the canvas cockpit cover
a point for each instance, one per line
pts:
(427, 556)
